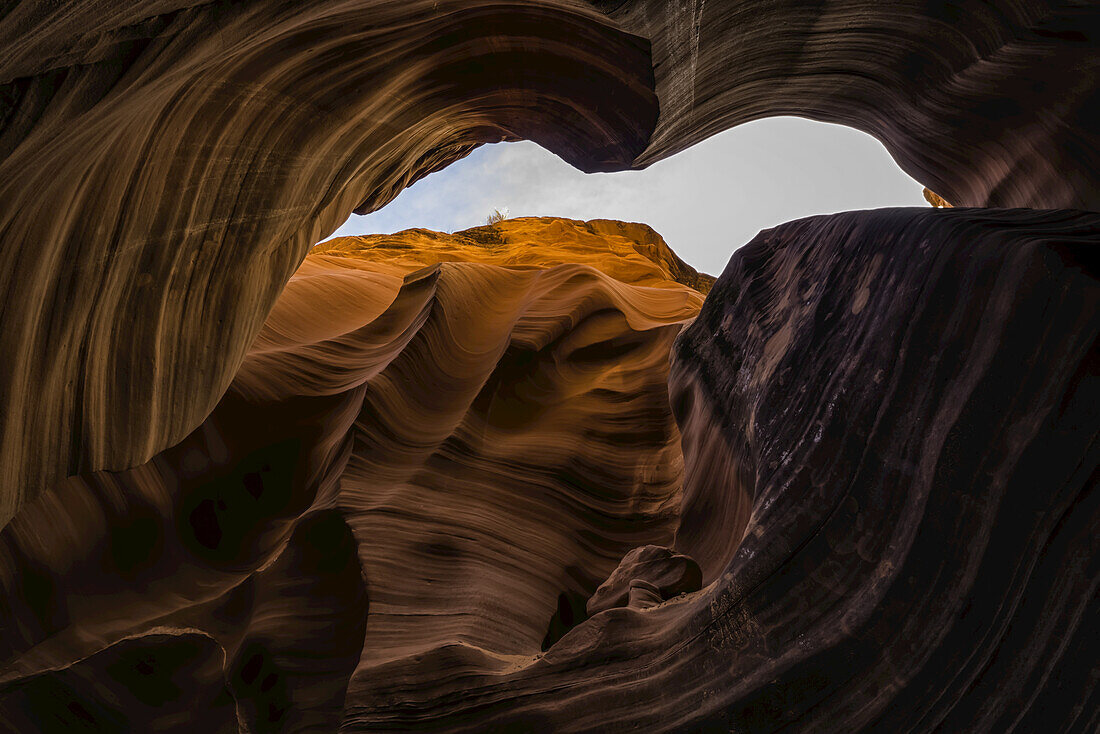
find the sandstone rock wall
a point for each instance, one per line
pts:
(165, 166)
(402, 514)
(418, 471)
(452, 498)
(896, 411)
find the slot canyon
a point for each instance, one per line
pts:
(542, 475)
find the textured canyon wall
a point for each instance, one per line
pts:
(910, 399)
(165, 166)
(890, 431)
(452, 498)
(417, 471)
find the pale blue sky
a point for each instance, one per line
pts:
(706, 201)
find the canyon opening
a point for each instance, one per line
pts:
(653, 450)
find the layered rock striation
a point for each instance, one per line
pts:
(425, 467)
(165, 166)
(909, 400)
(453, 498)
(435, 482)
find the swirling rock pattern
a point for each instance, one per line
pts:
(165, 166)
(941, 84)
(174, 162)
(418, 471)
(893, 526)
(910, 399)
(385, 498)
(906, 402)
(661, 573)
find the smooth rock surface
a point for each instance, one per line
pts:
(165, 166)
(661, 570)
(410, 470)
(906, 400)
(395, 518)
(911, 400)
(382, 497)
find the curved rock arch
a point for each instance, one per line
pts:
(165, 168)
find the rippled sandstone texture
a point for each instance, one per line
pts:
(629, 251)
(889, 423)
(411, 513)
(428, 462)
(164, 166)
(890, 439)
(909, 400)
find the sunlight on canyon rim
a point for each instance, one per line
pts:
(705, 201)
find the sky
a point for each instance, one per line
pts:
(705, 201)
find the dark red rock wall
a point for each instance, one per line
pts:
(913, 396)
(909, 399)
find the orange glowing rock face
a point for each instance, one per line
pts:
(466, 433)
(627, 251)
(165, 168)
(935, 199)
